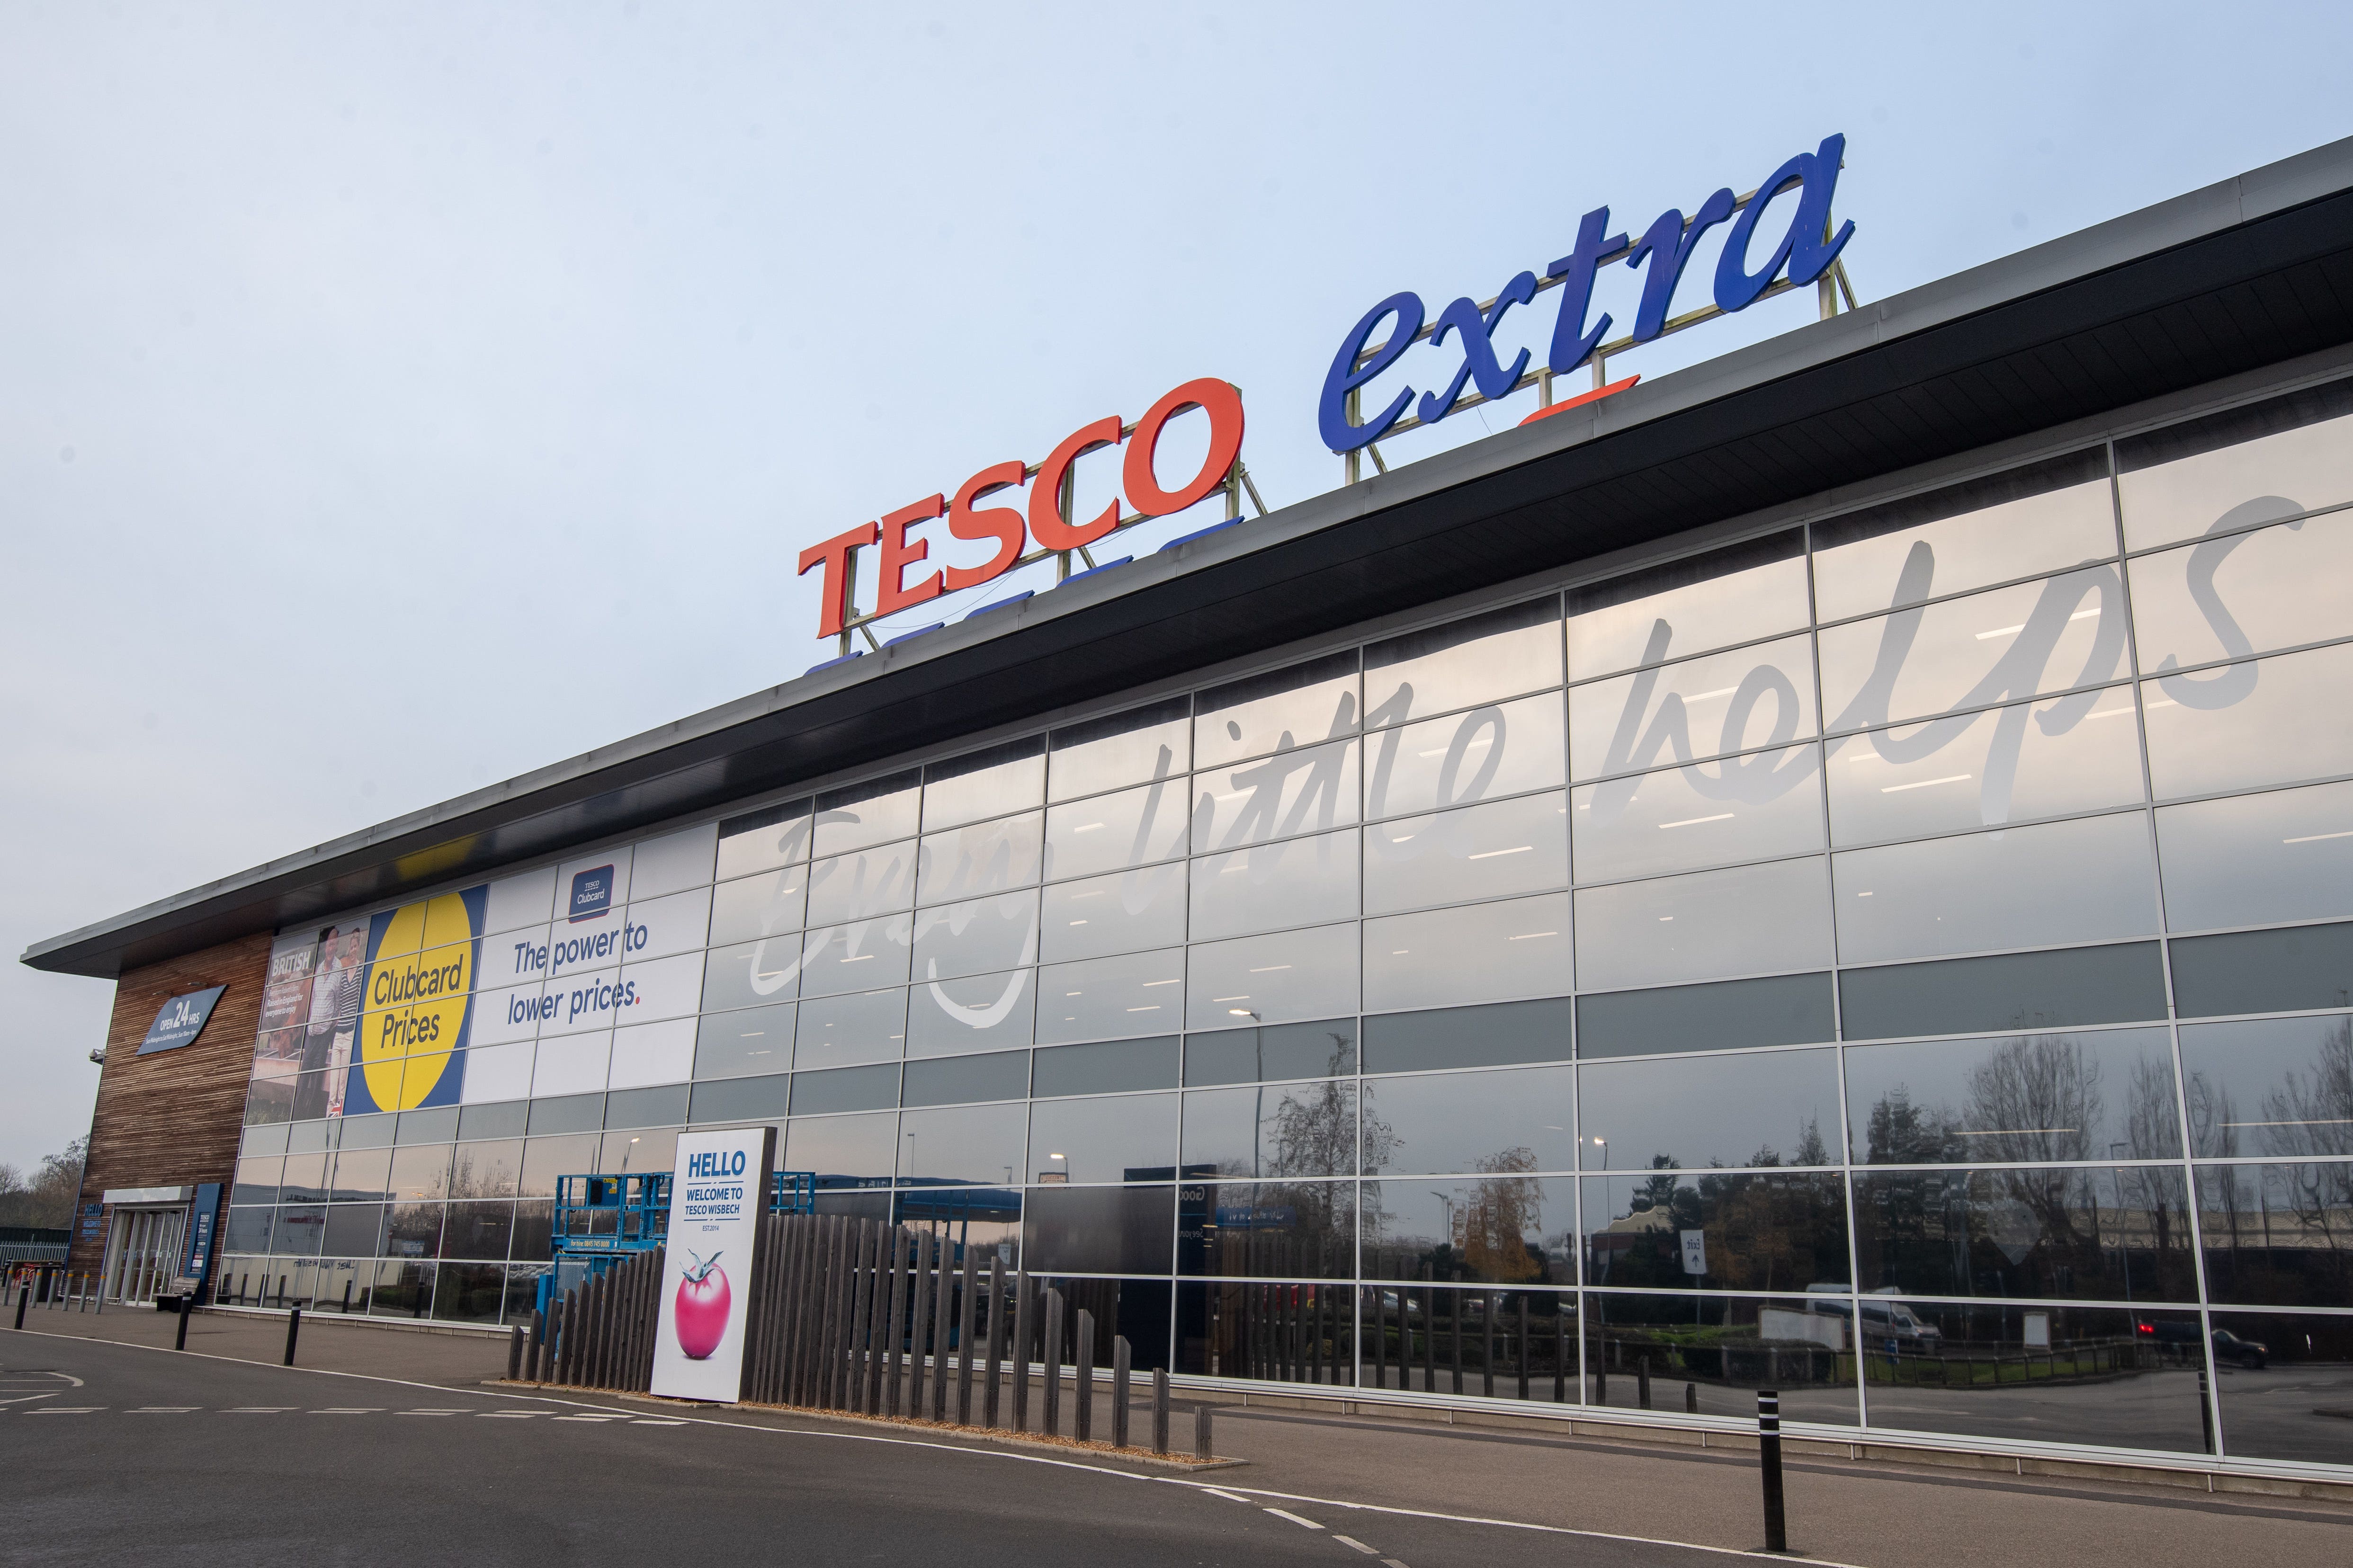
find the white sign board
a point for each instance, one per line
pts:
(1694, 1251)
(717, 1195)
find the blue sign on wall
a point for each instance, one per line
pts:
(202, 1226)
(591, 893)
(181, 1020)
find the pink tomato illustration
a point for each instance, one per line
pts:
(701, 1309)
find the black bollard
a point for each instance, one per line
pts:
(23, 1295)
(514, 1355)
(1201, 1450)
(293, 1327)
(1768, 1457)
(2205, 1411)
(1160, 1410)
(180, 1335)
(1120, 1369)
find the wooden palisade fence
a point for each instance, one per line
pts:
(868, 1319)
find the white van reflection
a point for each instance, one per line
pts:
(1883, 1318)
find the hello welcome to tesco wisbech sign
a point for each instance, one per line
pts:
(1804, 252)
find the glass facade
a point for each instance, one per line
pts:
(1905, 960)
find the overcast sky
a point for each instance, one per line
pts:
(394, 398)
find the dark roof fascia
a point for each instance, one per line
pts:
(2250, 271)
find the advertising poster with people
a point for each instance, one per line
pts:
(718, 1193)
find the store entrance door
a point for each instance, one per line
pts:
(143, 1252)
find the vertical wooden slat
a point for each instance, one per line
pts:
(837, 1311)
(796, 1313)
(989, 1400)
(968, 1316)
(919, 1323)
(1053, 1363)
(568, 1339)
(811, 1315)
(895, 1335)
(1120, 1367)
(1082, 1382)
(942, 1325)
(861, 1339)
(1024, 1331)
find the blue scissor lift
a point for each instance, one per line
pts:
(602, 1220)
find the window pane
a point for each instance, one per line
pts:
(867, 882)
(2040, 519)
(1112, 832)
(987, 857)
(2276, 1235)
(2025, 886)
(978, 1013)
(1118, 913)
(1770, 1108)
(353, 1230)
(421, 1171)
(1294, 791)
(1502, 1230)
(871, 813)
(986, 784)
(976, 936)
(1284, 709)
(1267, 1230)
(966, 1146)
(2245, 593)
(956, 1080)
(1502, 1033)
(1744, 809)
(1274, 1129)
(1735, 595)
(2267, 721)
(2041, 636)
(2121, 985)
(1757, 1231)
(1757, 696)
(744, 1044)
(862, 1027)
(1121, 1138)
(1504, 847)
(2117, 1377)
(1323, 1049)
(1477, 659)
(1291, 883)
(256, 1180)
(2293, 970)
(544, 1158)
(1098, 1230)
(2254, 859)
(2261, 1418)
(2004, 764)
(763, 840)
(1478, 952)
(844, 1150)
(488, 1170)
(1447, 1123)
(1753, 918)
(2292, 453)
(2094, 1235)
(1111, 998)
(1725, 1348)
(753, 973)
(1105, 1068)
(1141, 744)
(844, 1088)
(477, 1230)
(2270, 1087)
(1272, 979)
(858, 955)
(2103, 1094)
(1779, 1010)
(1508, 748)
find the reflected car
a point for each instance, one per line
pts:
(2251, 1354)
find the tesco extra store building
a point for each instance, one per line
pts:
(1830, 869)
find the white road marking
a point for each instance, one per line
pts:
(1305, 1523)
(1352, 1541)
(22, 1398)
(164, 1409)
(1392, 1562)
(432, 1413)
(350, 1410)
(64, 1410)
(508, 1414)
(650, 1421)
(1229, 1496)
(258, 1409)
(591, 1417)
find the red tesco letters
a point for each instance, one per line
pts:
(1044, 523)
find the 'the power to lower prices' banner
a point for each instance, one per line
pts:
(717, 1194)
